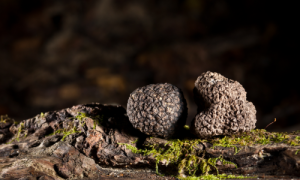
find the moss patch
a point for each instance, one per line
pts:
(66, 132)
(189, 161)
(98, 120)
(5, 119)
(21, 126)
(184, 155)
(80, 117)
(42, 115)
(19, 132)
(214, 177)
(257, 136)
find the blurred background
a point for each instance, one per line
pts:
(59, 53)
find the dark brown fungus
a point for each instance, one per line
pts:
(222, 107)
(157, 109)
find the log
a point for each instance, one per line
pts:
(93, 141)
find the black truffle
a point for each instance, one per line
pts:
(157, 109)
(222, 107)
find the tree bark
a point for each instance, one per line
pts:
(30, 150)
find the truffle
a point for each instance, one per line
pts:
(157, 109)
(222, 107)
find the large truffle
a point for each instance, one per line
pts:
(157, 109)
(222, 107)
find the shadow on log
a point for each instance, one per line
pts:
(83, 142)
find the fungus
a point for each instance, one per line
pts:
(222, 107)
(157, 109)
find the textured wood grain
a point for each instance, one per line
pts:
(95, 152)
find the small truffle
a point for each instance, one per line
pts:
(157, 109)
(222, 107)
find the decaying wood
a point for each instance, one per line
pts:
(95, 152)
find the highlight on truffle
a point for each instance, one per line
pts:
(158, 110)
(222, 107)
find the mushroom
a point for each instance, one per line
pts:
(222, 107)
(157, 109)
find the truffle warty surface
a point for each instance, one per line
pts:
(222, 107)
(157, 109)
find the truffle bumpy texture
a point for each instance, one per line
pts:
(157, 109)
(222, 107)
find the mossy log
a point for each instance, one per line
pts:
(91, 141)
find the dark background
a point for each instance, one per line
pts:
(55, 54)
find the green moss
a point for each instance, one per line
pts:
(133, 142)
(227, 142)
(257, 136)
(5, 119)
(19, 131)
(133, 149)
(66, 132)
(72, 131)
(183, 154)
(80, 117)
(215, 177)
(295, 142)
(187, 127)
(21, 126)
(98, 120)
